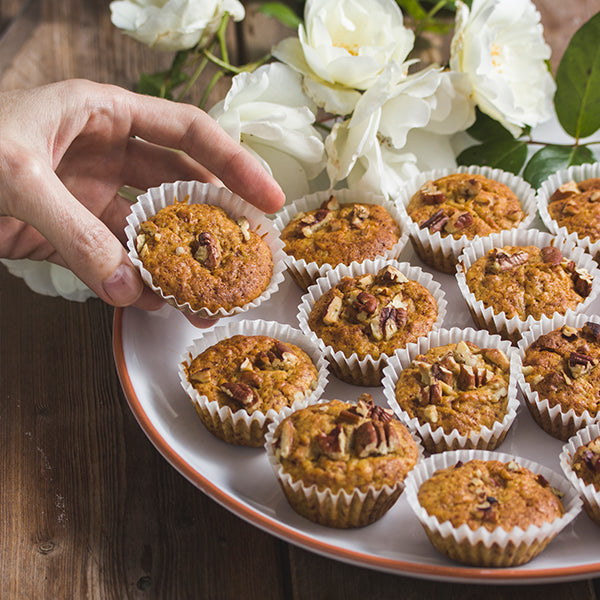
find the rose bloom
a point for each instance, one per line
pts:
(343, 46)
(499, 45)
(172, 25)
(269, 114)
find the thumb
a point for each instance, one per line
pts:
(84, 242)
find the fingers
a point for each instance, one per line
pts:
(83, 242)
(185, 127)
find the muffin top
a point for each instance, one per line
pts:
(465, 204)
(253, 373)
(586, 463)
(340, 233)
(576, 206)
(373, 314)
(200, 255)
(340, 445)
(458, 386)
(562, 367)
(526, 281)
(490, 494)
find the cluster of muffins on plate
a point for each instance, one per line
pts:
(374, 320)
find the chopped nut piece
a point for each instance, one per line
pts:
(392, 275)
(140, 242)
(430, 194)
(251, 378)
(592, 329)
(501, 261)
(566, 189)
(246, 365)
(459, 222)
(349, 416)
(202, 376)
(582, 282)
(431, 414)
(568, 332)
(436, 222)
(286, 438)
(332, 314)
(208, 250)
(358, 215)
(496, 357)
(580, 364)
(366, 302)
(244, 226)
(331, 203)
(552, 255)
(334, 443)
(440, 373)
(513, 466)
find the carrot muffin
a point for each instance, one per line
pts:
(491, 498)
(527, 281)
(342, 464)
(373, 314)
(576, 206)
(466, 204)
(250, 373)
(456, 387)
(339, 233)
(200, 255)
(563, 368)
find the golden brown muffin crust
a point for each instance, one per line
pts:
(563, 367)
(576, 206)
(528, 281)
(200, 255)
(465, 204)
(340, 233)
(373, 314)
(457, 386)
(586, 463)
(490, 494)
(253, 373)
(341, 445)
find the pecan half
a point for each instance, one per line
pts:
(241, 393)
(436, 222)
(552, 255)
(334, 443)
(501, 261)
(374, 437)
(387, 323)
(207, 250)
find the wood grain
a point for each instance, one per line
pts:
(88, 508)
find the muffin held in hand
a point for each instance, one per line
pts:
(563, 368)
(342, 464)
(576, 206)
(247, 376)
(373, 314)
(488, 512)
(466, 204)
(460, 388)
(338, 233)
(527, 281)
(200, 255)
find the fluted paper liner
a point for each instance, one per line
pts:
(333, 509)
(588, 493)
(306, 273)
(434, 439)
(352, 369)
(575, 173)
(240, 427)
(194, 192)
(442, 252)
(497, 322)
(480, 547)
(556, 421)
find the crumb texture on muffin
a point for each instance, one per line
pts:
(200, 255)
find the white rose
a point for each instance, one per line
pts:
(268, 113)
(172, 24)
(499, 45)
(343, 46)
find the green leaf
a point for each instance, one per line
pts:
(160, 84)
(412, 8)
(487, 129)
(506, 154)
(577, 98)
(550, 159)
(281, 12)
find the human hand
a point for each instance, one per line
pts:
(65, 151)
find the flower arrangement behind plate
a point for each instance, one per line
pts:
(348, 102)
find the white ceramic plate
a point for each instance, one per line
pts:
(147, 347)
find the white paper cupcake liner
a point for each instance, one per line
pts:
(306, 273)
(333, 509)
(442, 252)
(352, 369)
(497, 548)
(559, 423)
(240, 427)
(497, 322)
(588, 493)
(435, 440)
(194, 192)
(575, 173)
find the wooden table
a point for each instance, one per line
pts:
(88, 508)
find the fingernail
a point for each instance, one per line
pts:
(124, 286)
